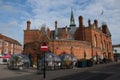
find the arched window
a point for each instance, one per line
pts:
(104, 44)
(109, 45)
(101, 44)
(95, 41)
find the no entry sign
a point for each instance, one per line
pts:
(44, 46)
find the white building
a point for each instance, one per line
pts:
(116, 51)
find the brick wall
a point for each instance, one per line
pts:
(71, 46)
(88, 41)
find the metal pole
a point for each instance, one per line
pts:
(44, 75)
(37, 62)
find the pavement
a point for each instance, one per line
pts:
(31, 74)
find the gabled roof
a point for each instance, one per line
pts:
(105, 29)
(8, 39)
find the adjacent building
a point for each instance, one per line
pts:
(82, 41)
(116, 51)
(9, 45)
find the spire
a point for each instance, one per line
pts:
(72, 21)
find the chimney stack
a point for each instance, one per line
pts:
(56, 31)
(80, 21)
(55, 24)
(48, 32)
(96, 23)
(89, 23)
(28, 25)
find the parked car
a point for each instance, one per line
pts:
(18, 61)
(84, 63)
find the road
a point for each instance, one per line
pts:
(109, 71)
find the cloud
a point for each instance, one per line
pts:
(47, 11)
(8, 8)
(12, 29)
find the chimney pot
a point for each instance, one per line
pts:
(56, 24)
(28, 25)
(89, 22)
(96, 23)
(80, 21)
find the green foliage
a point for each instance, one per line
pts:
(66, 64)
(16, 58)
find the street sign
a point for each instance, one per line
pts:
(44, 47)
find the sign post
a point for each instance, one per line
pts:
(44, 47)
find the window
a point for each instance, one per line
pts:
(104, 44)
(95, 41)
(11, 51)
(0, 43)
(6, 50)
(109, 45)
(94, 26)
(6, 43)
(11, 45)
(0, 51)
(14, 45)
(101, 45)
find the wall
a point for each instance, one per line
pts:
(78, 48)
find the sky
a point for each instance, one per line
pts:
(15, 13)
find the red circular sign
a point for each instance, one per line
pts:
(44, 47)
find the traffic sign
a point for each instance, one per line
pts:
(44, 46)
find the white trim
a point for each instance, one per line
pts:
(44, 46)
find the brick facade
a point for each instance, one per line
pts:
(83, 41)
(78, 48)
(9, 45)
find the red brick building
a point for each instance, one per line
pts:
(83, 41)
(9, 45)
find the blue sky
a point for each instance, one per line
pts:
(15, 13)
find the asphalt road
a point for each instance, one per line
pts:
(109, 71)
